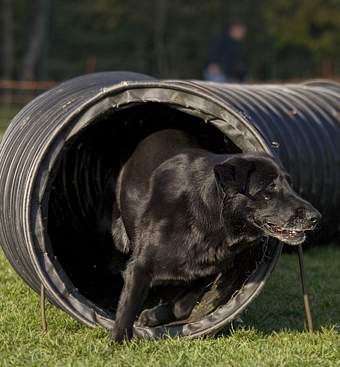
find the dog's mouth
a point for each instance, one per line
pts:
(290, 236)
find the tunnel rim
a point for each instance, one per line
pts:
(36, 248)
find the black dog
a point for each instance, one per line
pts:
(184, 212)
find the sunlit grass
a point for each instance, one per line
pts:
(6, 115)
(272, 331)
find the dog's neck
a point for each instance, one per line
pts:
(229, 229)
(236, 230)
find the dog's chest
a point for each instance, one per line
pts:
(204, 259)
(207, 254)
(198, 260)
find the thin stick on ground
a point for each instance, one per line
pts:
(42, 309)
(308, 312)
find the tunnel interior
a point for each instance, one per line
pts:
(91, 262)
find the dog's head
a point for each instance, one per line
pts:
(257, 191)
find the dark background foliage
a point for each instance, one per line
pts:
(57, 39)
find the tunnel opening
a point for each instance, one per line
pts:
(91, 262)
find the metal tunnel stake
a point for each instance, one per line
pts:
(43, 309)
(306, 302)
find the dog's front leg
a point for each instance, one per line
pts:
(135, 290)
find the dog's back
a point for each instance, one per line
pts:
(134, 177)
(133, 184)
(151, 153)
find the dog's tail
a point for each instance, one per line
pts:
(109, 220)
(119, 235)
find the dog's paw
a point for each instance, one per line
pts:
(148, 318)
(120, 335)
(158, 315)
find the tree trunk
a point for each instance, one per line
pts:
(37, 46)
(7, 39)
(159, 37)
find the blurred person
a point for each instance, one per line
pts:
(226, 59)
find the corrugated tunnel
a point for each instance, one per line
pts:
(60, 149)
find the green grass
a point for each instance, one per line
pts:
(6, 114)
(272, 331)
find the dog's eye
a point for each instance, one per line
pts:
(273, 187)
(267, 196)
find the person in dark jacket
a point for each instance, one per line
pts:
(226, 59)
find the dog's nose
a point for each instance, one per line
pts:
(309, 214)
(314, 220)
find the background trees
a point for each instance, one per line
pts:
(57, 39)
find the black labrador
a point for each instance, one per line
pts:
(184, 212)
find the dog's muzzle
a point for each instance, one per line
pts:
(293, 235)
(290, 236)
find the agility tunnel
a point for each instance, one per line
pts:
(59, 150)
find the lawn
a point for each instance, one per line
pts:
(272, 331)
(6, 114)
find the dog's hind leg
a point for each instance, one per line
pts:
(179, 309)
(183, 307)
(135, 290)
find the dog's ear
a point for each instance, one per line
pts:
(225, 175)
(235, 174)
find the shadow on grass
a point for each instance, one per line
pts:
(280, 307)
